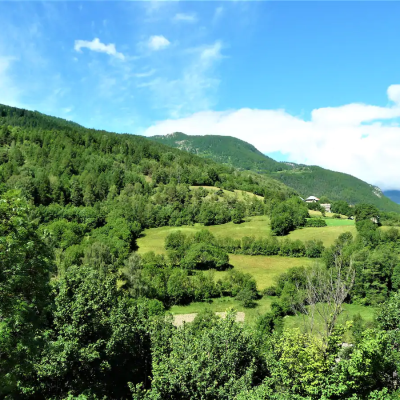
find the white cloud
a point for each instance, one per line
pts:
(180, 17)
(394, 93)
(96, 45)
(351, 138)
(158, 42)
(209, 54)
(195, 85)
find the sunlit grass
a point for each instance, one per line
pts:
(265, 269)
(153, 239)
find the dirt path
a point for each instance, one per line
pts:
(180, 319)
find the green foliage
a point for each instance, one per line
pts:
(247, 296)
(374, 274)
(98, 329)
(100, 340)
(224, 150)
(235, 281)
(204, 256)
(214, 363)
(94, 186)
(206, 319)
(196, 252)
(315, 222)
(342, 207)
(366, 211)
(25, 266)
(288, 215)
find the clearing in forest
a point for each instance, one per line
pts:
(258, 226)
(265, 269)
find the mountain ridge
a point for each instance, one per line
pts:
(305, 179)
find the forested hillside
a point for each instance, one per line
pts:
(317, 181)
(306, 180)
(65, 158)
(93, 186)
(223, 149)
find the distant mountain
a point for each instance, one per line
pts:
(224, 150)
(393, 195)
(306, 180)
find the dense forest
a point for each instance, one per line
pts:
(84, 316)
(306, 180)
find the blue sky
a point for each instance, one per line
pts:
(154, 67)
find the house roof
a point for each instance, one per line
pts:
(312, 198)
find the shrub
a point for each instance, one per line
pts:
(316, 222)
(237, 216)
(246, 297)
(269, 291)
(205, 256)
(314, 248)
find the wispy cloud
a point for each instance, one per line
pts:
(195, 84)
(158, 42)
(145, 74)
(96, 45)
(218, 13)
(212, 53)
(181, 17)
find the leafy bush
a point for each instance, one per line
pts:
(314, 248)
(205, 256)
(269, 291)
(316, 222)
(246, 297)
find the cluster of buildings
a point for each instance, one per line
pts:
(313, 199)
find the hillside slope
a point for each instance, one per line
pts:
(317, 181)
(224, 150)
(306, 180)
(46, 157)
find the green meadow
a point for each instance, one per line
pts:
(153, 239)
(259, 226)
(264, 269)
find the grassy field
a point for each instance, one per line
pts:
(264, 269)
(339, 222)
(350, 310)
(327, 234)
(153, 239)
